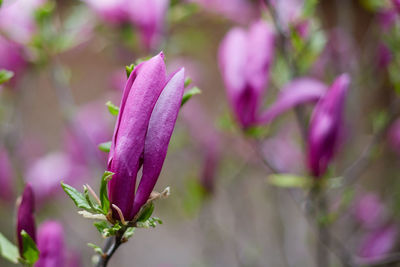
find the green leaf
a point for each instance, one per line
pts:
(129, 233)
(8, 250)
(309, 7)
(188, 81)
(289, 180)
(95, 207)
(5, 76)
(110, 231)
(151, 222)
(113, 109)
(77, 197)
(100, 226)
(1, 2)
(146, 212)
(129, 69)
(105, 203)
(30, 253)
(105, 147)
(96, 248)
(188, 94)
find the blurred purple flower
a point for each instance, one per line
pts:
(377, 244)
(50, 242)
(289, 12)
(237, 10)
(90, 127)
(46, 173)
(245, 58)
(369, 211)
(384, 56)
(17, 19)
(283, 152)
(6, 176)
(208, 139)
(147, 116)
(394, 136)
(12, 57)
(298, 91)
(111, 11)
(325, 126)
(396, 5)
(387, 18)
(149, 17)
(25, 218)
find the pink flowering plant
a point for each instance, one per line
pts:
(287, 156)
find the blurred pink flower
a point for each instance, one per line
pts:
(384, 56)
(325, 126)
(46, 173)
(378, 243)
(394, 136)
(245, 57)
(369, 211)
(90, 127)
(50, 243)
(111, 11)
(149, 17)
(237, 10)
(386, 18)
(6, 176)
(17, 19)
(12, 58)
(289, 12)
(283, 152)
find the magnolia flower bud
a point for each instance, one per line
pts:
(51, 245)
(145, 122)
(25, 219)
(245, 58)
(325, 126)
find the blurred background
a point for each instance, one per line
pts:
(69, 60)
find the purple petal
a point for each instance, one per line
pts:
(149, 17)
(25, 218)
(378, 244)
(140, 96)
(295, 93)
(325, 125)
(394, 136)
(369, 211)
(51, 245)
(161, 126)
(245, 59)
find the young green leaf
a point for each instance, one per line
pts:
(30, 252)
(129, 232)
(188, 94)
(105, 203)
(110, 231)
(100, 226)
(94, 206)
(113, 109)
(105, 147)
(146, 212)
(188, 81)
(5, 76)
(129, 69)
(289, 180)
(77, 197)
(96, 248)
(8, 250)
